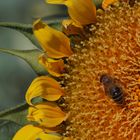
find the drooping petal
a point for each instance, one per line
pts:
(44, 87)
(82, 12)
(54, 67)
(71, 28)
(106, 3)
(47, 114)
(30, 132)
(54, 42)
(67, 22)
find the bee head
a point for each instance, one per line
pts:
(105, 79)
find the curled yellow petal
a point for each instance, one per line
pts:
(54, 67)
(68, 22)
(106, 3)
(44, 87)
(71, 28)
(47, 114)
(54, 42)
(82, 12)
(30, 132)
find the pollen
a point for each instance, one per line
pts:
(113, 48)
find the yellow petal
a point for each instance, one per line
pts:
(53, 96)
(54, 67)
(54, 42)
(44, 87)
(30, 132)
(82, 12)
(56, 1)
(106, 3)
(68, 22)
(47, 114)
(71, 28)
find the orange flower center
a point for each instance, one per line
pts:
(113, 49)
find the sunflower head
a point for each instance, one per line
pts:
(113, 49)
(100, 84)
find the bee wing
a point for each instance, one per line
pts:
(107, 89)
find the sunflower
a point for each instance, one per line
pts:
(82, 96)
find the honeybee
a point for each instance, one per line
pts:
(112, 89)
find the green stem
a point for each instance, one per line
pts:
(13, 109)
(15, 114)
(30, 56)
(18, 53)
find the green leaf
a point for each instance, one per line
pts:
(11, 120)
(8, 130)
(15, 114)
(56, 25)
(30, 56)
(25, 29)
